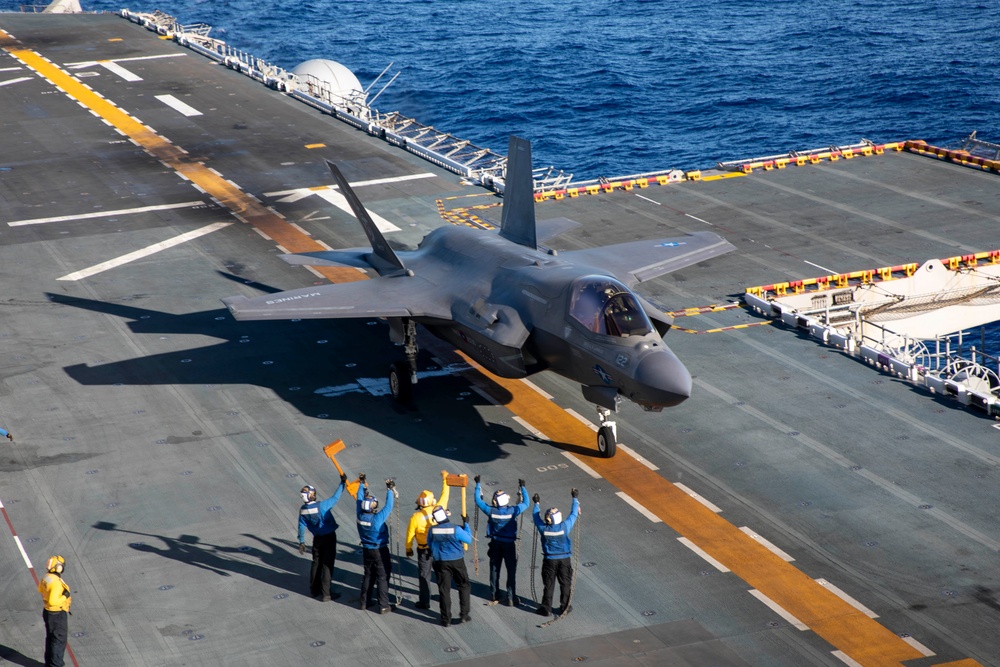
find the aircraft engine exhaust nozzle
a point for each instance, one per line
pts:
(662, 381)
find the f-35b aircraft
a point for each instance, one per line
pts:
(513, 307)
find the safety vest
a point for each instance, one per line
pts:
(445, 540)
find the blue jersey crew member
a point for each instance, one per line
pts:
(374, 536)
(501, 528)
(56, 600)
(318, 518)
(417, 530)
(556, 551)
(445, 540)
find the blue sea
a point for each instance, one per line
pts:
(616, 87)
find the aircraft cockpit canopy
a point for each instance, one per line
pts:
(607, 307)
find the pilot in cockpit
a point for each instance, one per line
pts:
(606, 307)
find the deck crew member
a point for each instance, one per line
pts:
(318, 518)
(556, 551)
(502, 531)
(56, 600)
(417, 530)
(4, 433)
(374, 536)
(445, 540)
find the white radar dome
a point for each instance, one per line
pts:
(341, 80)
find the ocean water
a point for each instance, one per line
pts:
(616, 87)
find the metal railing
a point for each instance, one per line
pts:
(461, 156)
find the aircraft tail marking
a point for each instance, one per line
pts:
(385, 261)
(517, 222)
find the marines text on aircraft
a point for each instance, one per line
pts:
(513, 307)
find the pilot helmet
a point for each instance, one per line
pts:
(425, 499)
(500, 499)
(553, 516)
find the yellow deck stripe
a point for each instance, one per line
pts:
(239, 203)
(836, 621)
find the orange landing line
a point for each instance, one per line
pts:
(967, 662)
(830, 617)
(240, 204)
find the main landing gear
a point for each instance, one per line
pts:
(607, 434)
(402, 376)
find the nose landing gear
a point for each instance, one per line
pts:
(607, 434)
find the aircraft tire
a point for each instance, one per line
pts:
(399, 383)
(606, 443)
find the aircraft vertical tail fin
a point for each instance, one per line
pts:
(517, 222)
(384, 260)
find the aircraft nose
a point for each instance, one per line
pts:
(663, 380)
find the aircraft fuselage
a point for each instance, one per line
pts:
(503, 284)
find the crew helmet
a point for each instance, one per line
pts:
(553, 516)
(440, 514)
(307, 492)
(369, 504)
(425, 499)
(500, 499)
(55, 564)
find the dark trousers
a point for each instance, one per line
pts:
(553, 569)
(447, 571)
(56, 632)
(324, 556)
(425, 573)
(502, 553)
(377, 568)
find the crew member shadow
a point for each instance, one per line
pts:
(276, 566)
(15, 657)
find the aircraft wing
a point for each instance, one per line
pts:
(399, 296)
(637, 261)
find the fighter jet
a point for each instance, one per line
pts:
(512, 306)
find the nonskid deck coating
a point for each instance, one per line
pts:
(160, 448)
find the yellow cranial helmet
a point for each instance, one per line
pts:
(425, 499)
(55, 564)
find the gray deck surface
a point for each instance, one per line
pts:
(160, 445)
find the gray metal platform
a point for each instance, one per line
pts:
(160, 445)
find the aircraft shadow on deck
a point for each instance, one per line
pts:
(314, 365)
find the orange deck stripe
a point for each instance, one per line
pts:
(239, 203)
(840, 624)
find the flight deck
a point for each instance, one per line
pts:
(801, 508)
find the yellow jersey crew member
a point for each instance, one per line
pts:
(419, 523)
(56, 600)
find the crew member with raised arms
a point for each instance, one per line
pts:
(374, 536)
(56, 600)
(445, 540)
(318, 518)
(420, 521)
(501, 528)
(556, 551)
